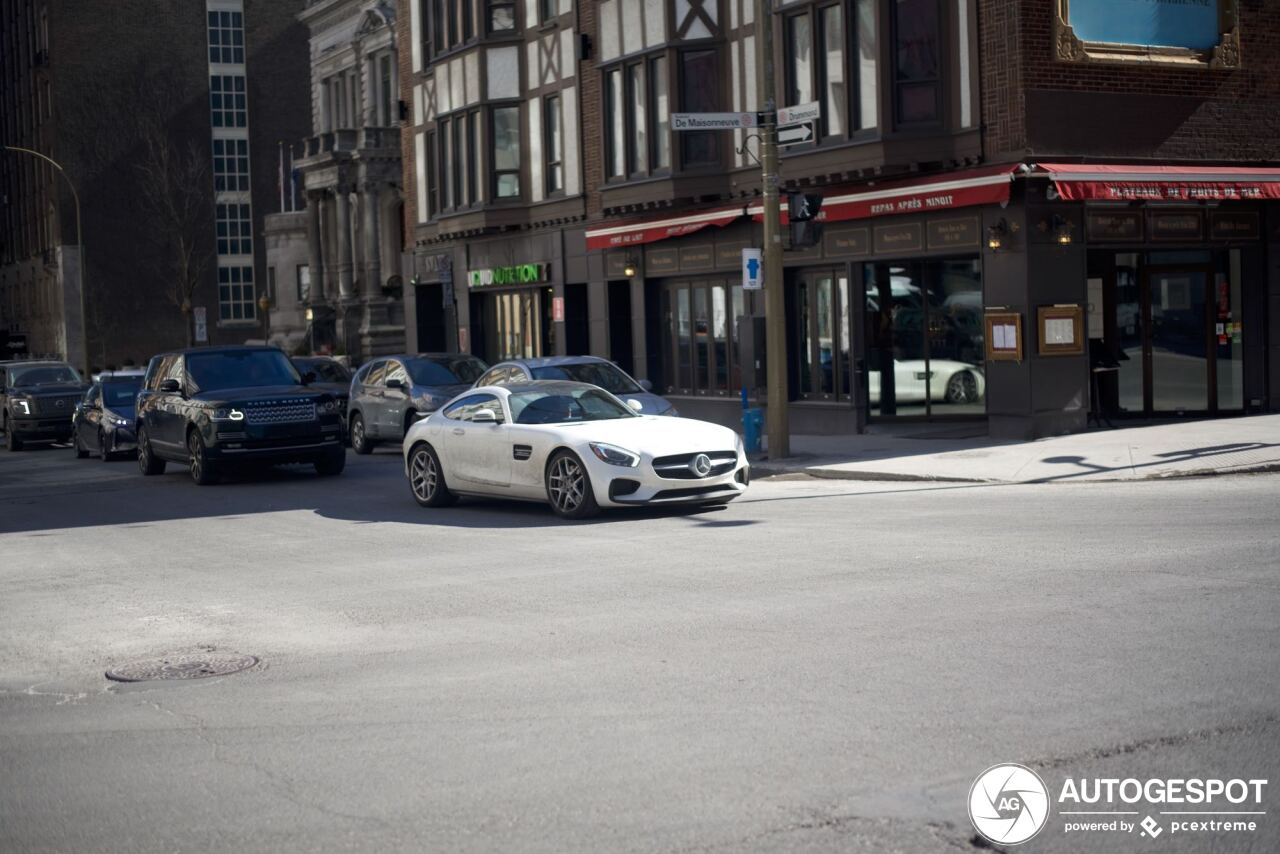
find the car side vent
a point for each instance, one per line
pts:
(522, 452)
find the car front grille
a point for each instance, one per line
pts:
(63, 405)
(280, 412)
(679, 466)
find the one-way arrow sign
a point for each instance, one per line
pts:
(795, 134)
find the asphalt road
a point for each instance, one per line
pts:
(823, 666)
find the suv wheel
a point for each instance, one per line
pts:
(11, 440)
(202, 471)
(360, 442)
(148, 463)
(102, 447)
(81, 452)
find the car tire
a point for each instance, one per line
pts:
(11, 440)
(360, 441)
(102, 448)
(410, 418)
(81, 452)
(202, 471)
(426, 478)
(148, 463)
(962, 388)
(569, 487)
(332, 465)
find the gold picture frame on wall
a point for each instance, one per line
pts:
(1004, 335)
(1060, 330)
(1225, 54)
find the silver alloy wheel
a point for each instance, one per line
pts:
(962, 388)
(144, 450)
(566, 484)
(424, 477)
(195, 457)
(102, 446)
(357, 433)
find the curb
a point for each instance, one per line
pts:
(759, 471)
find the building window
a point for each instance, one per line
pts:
(235, 293)
(506, 152)
(916, 65)
(817, 67)
(235, 230)
(502, 16)
(231, 165)
(227, 100)
(548, 9)
(638, 123)
(821, 330)
(226, 37)
(699, 93)
(553, 147)
(453, 162)
(385, 101)
(304, 283)
(700, 322)
(433, 187)
(271, 285)
(799, 59)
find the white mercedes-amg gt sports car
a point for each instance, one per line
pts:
(573, 445)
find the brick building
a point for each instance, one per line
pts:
(1032, 208)
(166, 119)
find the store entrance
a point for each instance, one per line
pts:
(512, 324)
(1172, 334)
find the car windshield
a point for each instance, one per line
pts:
(120, 392)
(240, 369)
(451, 370)
(44, 375)
(565, 406)
(607, 376)
(326, 370)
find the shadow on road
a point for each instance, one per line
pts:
(1167, 458)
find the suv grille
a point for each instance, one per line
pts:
(54, 405)
(280, 411)
(677, 466)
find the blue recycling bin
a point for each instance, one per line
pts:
(752, 429)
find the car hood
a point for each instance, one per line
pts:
(335, 389)
(650, 404)
(59, 390)
(229, 396)
(653, 434)
(126, 412)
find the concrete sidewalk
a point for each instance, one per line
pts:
(941, 453)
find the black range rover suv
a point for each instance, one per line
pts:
(214, 407)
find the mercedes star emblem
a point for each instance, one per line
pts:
(700, 465)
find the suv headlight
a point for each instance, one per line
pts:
(25, 404)
(227, 414)
(614, 455)
(116, 421)
(327, 407)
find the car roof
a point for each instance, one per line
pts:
(106, 376)
(553, 361)
(562, 386)
(22, 363)
(229, 348)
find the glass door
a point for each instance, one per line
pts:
(1178, 353)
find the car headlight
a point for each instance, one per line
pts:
(25, 404)
(429, 403)
(227, 414)
(116, 421)
(614, 455)
(327, 407)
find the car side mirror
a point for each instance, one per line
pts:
(646, 385)
(397, 384)
(170, 386)
(309, 377)
(485, 416)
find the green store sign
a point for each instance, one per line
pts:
(521, 274)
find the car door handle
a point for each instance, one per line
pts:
(458, 431)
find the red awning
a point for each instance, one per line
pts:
(985, 186)
(1089, 182)
(650, 231)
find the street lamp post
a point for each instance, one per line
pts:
(84, 272)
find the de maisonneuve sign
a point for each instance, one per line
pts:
(520, 274)
(1155, 23)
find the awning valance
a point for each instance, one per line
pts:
(985, 186)
(648, 231)
(1090, 182)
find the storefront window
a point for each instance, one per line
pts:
(699, 341)
(925, 338)
(821, 324)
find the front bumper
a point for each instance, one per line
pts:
(616, 486)
(119, 439)
(38, 429)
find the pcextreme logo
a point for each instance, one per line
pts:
(1010, 803)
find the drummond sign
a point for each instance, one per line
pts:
(1190, 24)
(521, 274)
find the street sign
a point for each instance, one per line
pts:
(713, 121)
(799, 113)
(752, 270)
(202, 324)
(795, 134)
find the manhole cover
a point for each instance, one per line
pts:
(196, 666)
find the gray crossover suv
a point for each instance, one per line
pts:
(390, 393)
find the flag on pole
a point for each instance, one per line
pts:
(280, 177)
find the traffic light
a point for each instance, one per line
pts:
(802, 209)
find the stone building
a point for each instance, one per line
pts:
(351, 176)
(165, 118)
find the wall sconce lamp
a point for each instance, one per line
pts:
(996, 235)
(629, 269)
(1062, 229)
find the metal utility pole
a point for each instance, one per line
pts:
(777, 425)
(84, 272)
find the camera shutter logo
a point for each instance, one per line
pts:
(1008, 803)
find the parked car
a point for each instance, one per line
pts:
(213, 407)
(330, 375)
(36, 401)
(104, 421)
(581, 369)
(573, 445)
(948, 381)
(389, 394)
